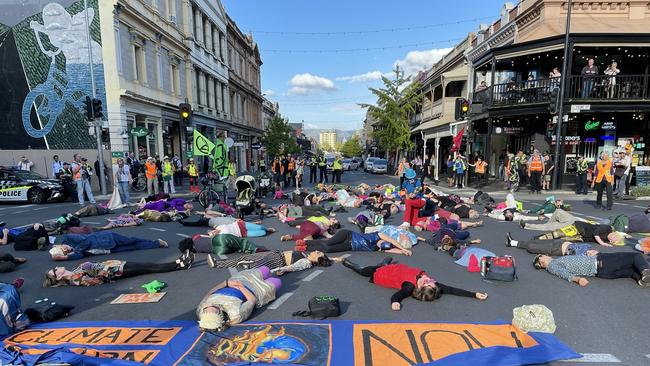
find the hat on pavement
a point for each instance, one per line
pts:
(410, 174)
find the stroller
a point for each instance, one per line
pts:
(245, 202)
(264, 186)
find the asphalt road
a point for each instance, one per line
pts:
(605, 318)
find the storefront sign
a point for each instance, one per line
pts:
(512, 130)
(256, 146)
(139, 131)
(592, 125)
(609, 126)
(568, 140)
(577, 108)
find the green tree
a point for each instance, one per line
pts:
(278, 138)
(352, 148)
(326, 148)
(395, 102)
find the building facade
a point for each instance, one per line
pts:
(512, 79)
(245, 93)
(328, 138)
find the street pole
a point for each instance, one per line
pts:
(560, 109)
(98, 130)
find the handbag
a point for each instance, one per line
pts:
(321, 307)
(47, 312)
(499, 268)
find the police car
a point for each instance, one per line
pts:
(21, 185)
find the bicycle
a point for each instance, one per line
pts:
(139, 183)
(49, 98)
(214, 188)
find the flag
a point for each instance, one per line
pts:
(458, 140)
(202, 145)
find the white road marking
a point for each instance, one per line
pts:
(623, 204)
(596, 358)
(280, 300)
(19, 212)
(156, 229)
(38, 209)
(183, 235)
(312, 276)
(92, 222)
(24, 206)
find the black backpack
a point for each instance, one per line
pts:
(321, 307)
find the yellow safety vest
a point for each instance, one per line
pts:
(231, 169)
(337, 165)
(167, 169)
(191, 170)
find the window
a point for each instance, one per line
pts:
(221, 45)
(159, 73)
(197, 87)
(138, 62)
(171, 10)
(173, 70)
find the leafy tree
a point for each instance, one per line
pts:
(278, 138)
(326, 148)
(395, 102)
(352, 148)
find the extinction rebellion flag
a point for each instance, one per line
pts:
(202, 145)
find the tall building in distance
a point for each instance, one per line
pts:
(328, 138)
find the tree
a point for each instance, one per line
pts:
(326, 148)
(352, 148)
(395, 102)
(278, 138)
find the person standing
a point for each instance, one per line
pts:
(177, 165)
(433, 171)
(81, 176)
(450, 170)
(285, 170)
(151, 172)
(604, 179)
(549, 167)
(313, 166)
(262, 165)
(581, 175)
(401, 170)
(168, 176)
(480, 170)
(417, 164)
(623, 166)
(611, 71)
(25, 164)
(322, 166)
(291, 172)
(122, 176)
(589, 74)
(193, 173)
(56, 167)
(522, 167)
(337, 169)
(300, 171)
(536, 171)
(277, 169)
(459, 169)
(65, 176)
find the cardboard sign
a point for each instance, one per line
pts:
(138, 298)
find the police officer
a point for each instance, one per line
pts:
(313, 165)
(581, 175)
(337, 169)
(262, 165)
(322, 166)
(65, 175)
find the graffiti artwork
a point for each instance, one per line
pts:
(48, 67)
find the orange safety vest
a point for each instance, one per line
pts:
(604, 170)
(274, 168)
(291, 166)
(150, 169)
(480, 167)
(536, 165)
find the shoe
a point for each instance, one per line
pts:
(18, 282)
(645, 277)
(405, 224)
(353, 266)
(508, 239)
(210, 261)
(522, 223)
(386, 261)
(163, 244)
(186, 260)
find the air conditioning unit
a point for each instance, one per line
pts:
(172, 18)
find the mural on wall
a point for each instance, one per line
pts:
(45, 74)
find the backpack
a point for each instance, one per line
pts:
(46, 312)
(620, 223)
(321, 307)
(499, 268)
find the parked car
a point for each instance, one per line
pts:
(354, 164)
(379, 166)
(368, 164)
(25, 186)
(346, 164)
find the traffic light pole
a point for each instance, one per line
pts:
(560, 109)
(98, 130)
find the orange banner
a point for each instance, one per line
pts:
(141, 356)
(405, 344)
(95, 336)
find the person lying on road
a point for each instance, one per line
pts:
(587, 232)
(556, 248)
(77, 246)
(346, 240)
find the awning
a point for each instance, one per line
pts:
(530, 52)
(424, 126)
(459, 73)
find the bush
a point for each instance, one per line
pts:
(641, 191)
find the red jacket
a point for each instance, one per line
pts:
(393, 275)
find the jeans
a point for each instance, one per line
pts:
(621, 265)
(152, 186)
(123, 189)
(168, 186)
(83, 185)
(607, 186)
(255, 230)
(620, 187)
(587, 87)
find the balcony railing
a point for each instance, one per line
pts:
(596, 88)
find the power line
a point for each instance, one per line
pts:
(340, 99)
(385, 30)
(346, 50)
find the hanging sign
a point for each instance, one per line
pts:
(609, 126)
(592, 125)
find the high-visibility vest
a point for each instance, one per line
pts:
(262, 163)
(232, 171)
(150, 170)
(191, 170)
(604, 169)
(322, 162)
(337, 165)
(536, 164)
(291, 166)
(480, 167)
(167, 170)
(77, 176)
(582, 166)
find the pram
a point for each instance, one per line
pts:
(264, 186)
(245, 202)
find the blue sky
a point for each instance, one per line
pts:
(323, 89)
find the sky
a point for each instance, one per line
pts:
(324, 88)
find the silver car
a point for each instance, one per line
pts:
(368, 165)
(380, 166)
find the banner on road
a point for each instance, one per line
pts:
(180, 343)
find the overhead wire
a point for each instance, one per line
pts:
(364, 49)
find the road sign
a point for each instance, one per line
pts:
(577, 108)
(256, 146)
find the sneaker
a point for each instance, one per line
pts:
(522, 223)
(645, 277)
(163, 244)
(210, 260)
(405, 224)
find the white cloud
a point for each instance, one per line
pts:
(304, 84)
(347, 109)
(270, 93)
(311, 126)
(420, 60)
(362, 78)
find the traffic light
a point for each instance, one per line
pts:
(553, 100)
(185, 111)
(88, 103)
(462, 109)
(97, 109)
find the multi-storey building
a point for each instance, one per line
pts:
(328, 138)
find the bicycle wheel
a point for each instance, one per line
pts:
(41, 103)
(208, 197)
(139, 184)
